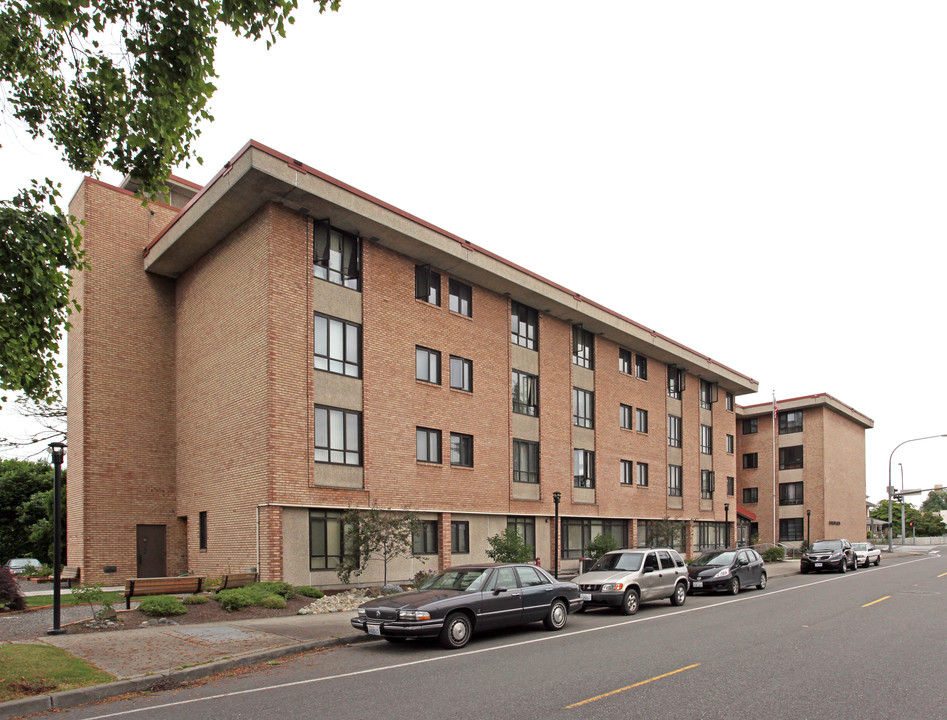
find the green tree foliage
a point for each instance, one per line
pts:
(375, 533)
(936, 500)
(600, 545)
(121, 84)
(23, 485)
(509, 546)
(926, 524)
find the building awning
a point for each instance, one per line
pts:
(743, 512)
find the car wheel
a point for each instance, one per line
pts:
(556, 617)
(878, 561)
(804, 571)
(629, 603)
(843, 566)
(855, 564)
(456, 631)
(734, 587)
(762, 583)
(680, 594)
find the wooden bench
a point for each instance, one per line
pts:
(138, 587)
(235, 580)
(69, 573)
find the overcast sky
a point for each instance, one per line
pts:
(762, 182)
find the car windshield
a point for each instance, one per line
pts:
(715, 558)
(827, 545)
(859, 546)
(463, 579)
(619, 561)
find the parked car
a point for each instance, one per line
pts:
(18, 566)
(625, 578)
(867, 553)
(462, 600)
(727, 570)
(829, 555)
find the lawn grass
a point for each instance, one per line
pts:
(28, 670)
(66, 599)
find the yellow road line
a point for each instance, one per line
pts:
(643, 682)
(942, 575)
(876, 601)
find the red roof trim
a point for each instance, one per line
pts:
(746, 513)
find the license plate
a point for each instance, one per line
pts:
(374, 629)
(817, 564)
(697, 583)
(587, 597)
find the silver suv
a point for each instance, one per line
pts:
(625, 578)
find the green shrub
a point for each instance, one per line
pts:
(275, 602)
(10, 595)
(774, 554)
(235, 599)
(600, 545)
(38, 571)
(195, 600)
(274, 588)
(162, 606)
(309, 592)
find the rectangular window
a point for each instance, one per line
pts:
(427, 365)
(751, 461)
(674, 431)
(706, 439)
(524, 326)
(336, 256)
(624, 417)
(325, 539)
(675, 480)
(427, 284)
(424, 541)
(461, 373)
(790, 421)
(750, 426)
(461, 450)
(525, 461)
(582, 347)
(675, 382)
(707, 484)
(459, 537)
(583, 468)
(731, 486)
(577, 533)
(790, 457)
(627, 472)
(201, 530)
(461, 297)
(338, 436)
(525, 393)
(729, 401)
(641, 420)
(641, 367)
(624, 361)
(751, 495)
(708, 394)
(583, 408)
(642, 474)
(429, 445)
(790, 493)
(729, 444)
(336, 346)
(790, 529)
(525, 527)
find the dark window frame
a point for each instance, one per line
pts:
(675, 431)
(430, 354)
(627, 472)
(751, 461)
(641, 474)
(751, 495)
(324, 523)
(675, 481)
(790, 421)
(465, 366)
(791, 529)
(708, 483)
(751, 426)
(578, 532)
(459, 537)
(351, 450)
(706, 440)
(641, 421)
(791, 457)
(792, 493)
(527, 450)
(583, 468)
(427, 285)
(428, 434)
(625, 421)
(424, 540)
(202, 530)
(625, 362)
(460, 297)
(583, 347)
(524, 325)
(349, 362)
(583, 408)
(525, 387)
(641, 367)
(461, 450)
(336, 255)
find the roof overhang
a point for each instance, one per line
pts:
(808, 401)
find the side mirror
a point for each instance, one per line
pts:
(648, 569)
(497, 591)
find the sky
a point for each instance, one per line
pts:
(763, 182)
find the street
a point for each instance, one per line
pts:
(860, 645)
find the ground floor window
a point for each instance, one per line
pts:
(325, 539)
(790, 529)
(425, 538)
(662, 533)
(525, 528)
(459, 536)
(577, 533)
(711, 536)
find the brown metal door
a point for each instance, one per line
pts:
(152, 550)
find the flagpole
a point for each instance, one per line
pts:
(775, 488)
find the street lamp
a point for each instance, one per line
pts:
(891, 489)
(808, 526)
(902, 503)
(556, 498)
(726, 520)
(58, 451)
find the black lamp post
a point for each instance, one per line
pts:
(726, 520)
(556, 498)
(58, 451)
(808, 526)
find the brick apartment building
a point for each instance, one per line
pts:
(263, 353)
(815, 489)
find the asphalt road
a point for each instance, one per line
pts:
(868, 644)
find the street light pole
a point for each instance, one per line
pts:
(58, 451)
(890, 489)
(556, 498)
(902, 503)
(808, 527)
(726, 520)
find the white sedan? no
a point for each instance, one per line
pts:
(866, 554)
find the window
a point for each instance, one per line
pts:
(524, 326)
(531, 577)
(335, 256)
(790, 493)
(675, 382)
(525, 461)
(627, 472)
(583, 468)
(427, 365)
(461, 450)
(790, 529)
(729, 444)
(675, 481)
(624, 417)
(325, 539)
(582, 348)
(427, 284)
(429, 445)
(706, 439)
(525, 393)
(577, 533)
(424, 540)
(624, 361)
(790, 421)
(711, 536)
(641, 367)
(525, 527)
(728, 400)
(460, 297)
(461, 373)
(674, 431)
(790, 457)
(708, 394)
(731, 486)
(751, 495)
(583, 408)
(202, 530)
(336, 346)
(641, 420)
(751, 461)
(707, 484)
(338, 436)
(642, 474)
(459, 537)
(750, 426)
